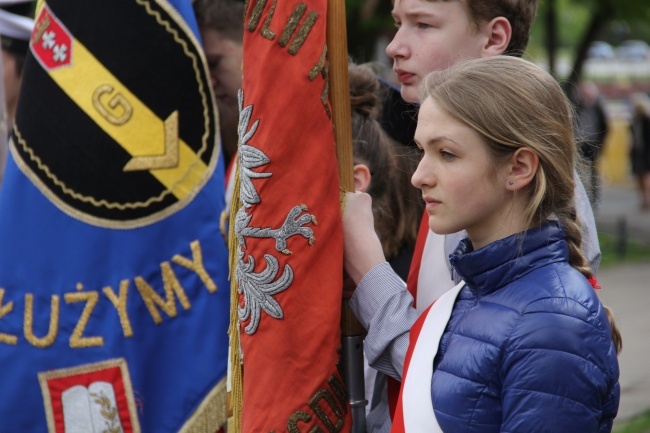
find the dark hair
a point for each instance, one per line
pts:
(407, 200)
(223, 16)
(520, 14)
(371, 147)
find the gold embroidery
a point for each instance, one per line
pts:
(339, 391)
(305, 28)
(223, 220)
(292, 422)
(120, 305)
(108, 412)
(319, 67)
(4, 310)
(198, 62)
(323, 394)
(324, 96)
(235, 369)
(256, 14)
(292, 23)
(246, 5)
(40, 29)
(210, 416)
(289, 28)
(116, 101)
(153, 301)
(323, 68)
(28, 325)
(330, 397)
(70, 210)
(151, 298)
(77, 339)
(266, 31)
(169, 159)
(196, 265)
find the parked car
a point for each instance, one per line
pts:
(600, 50)
(633, 50)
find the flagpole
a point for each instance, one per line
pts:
(339, 94)
(339, 90)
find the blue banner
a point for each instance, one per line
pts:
(114, 298)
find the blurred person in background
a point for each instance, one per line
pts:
(222, 30)
(16, 24)
(640, 149)
(222, 33)
(591, 130)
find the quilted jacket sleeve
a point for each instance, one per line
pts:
(560, 372)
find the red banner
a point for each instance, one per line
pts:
(289, 225)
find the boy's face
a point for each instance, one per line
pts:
(432, 35)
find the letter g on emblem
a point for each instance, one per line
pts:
(110, 111)
(105, 135)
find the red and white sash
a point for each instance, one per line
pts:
(430, 271)
(429, 268)
(414, 412)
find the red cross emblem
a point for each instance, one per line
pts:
(51, 42)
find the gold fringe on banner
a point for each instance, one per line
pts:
(211, 414)
(235, 395)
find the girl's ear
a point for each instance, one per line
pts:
(523, 165)
(498, 33)
(361, 175)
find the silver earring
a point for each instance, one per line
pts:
(510, 183)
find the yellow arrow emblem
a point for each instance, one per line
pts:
(153, 143)
(169, 159)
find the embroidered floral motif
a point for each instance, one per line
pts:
(259, 288)
(108, 412)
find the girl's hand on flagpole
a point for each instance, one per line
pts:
(362, 248)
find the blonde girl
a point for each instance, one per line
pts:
(525, 345)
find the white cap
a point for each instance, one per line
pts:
(14, 25)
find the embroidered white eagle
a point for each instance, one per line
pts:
(259, 288)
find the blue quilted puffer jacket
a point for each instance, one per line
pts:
(528, 346)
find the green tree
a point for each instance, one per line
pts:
(598, 15)
(366, 20)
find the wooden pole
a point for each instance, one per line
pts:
(339, 94)
(339, 89)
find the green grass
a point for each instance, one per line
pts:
(640, 424)
(634, 251)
